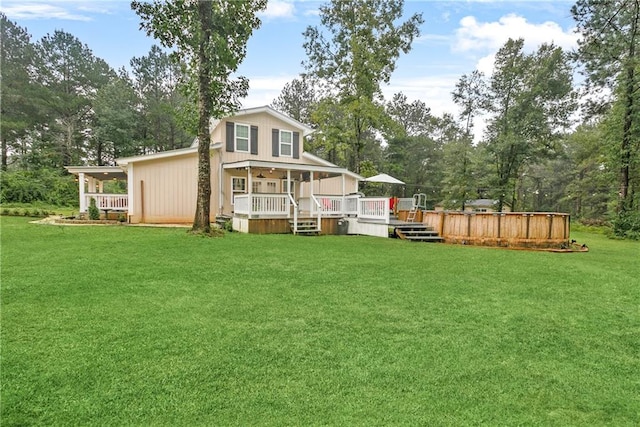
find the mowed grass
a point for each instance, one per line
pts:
(152, 326)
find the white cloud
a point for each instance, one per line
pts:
(40, 11)
(264, 89)
(482, 36)
(278, 9)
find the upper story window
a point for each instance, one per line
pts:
(242, 138)
(286, 143)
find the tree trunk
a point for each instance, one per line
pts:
(3, 167)
(201, 222)
(625, 148)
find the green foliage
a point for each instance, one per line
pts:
(353, 56)
(627, 225)
(43, 185)
(529, 99)
(608, 50)
(379, 337)
(69, 75)
(297, 99)
(210, 41)
(94, 212)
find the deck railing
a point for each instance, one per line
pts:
(112, 202)
(261, 204)
(375, 209)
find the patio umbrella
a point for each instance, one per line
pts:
(383, 177)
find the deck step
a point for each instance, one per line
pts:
(306, 227)
(417, 233)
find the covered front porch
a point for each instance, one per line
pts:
(92, 183)
(268, 192)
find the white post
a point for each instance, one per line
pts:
(130, 190)
(311, 193)
(92, 184)
(344, 190)
(83, 199)
(249, 190)
(100, 187)
(289, 193)
(221, 188)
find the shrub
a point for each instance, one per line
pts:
(42, 185)
(94, 212)
(627, 225)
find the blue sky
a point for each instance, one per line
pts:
(456, 38)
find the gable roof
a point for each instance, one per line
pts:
(306, 130)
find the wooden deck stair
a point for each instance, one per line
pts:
(417, 233)
(306, 226)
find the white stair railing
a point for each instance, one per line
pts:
(295, 213)
(318, 207)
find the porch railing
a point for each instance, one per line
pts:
(376, 209)
(114, 202)
(261, 204)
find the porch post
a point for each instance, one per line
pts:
(221, 189)
(100, 187)
(83, 199)
(130, 191)
(92, 184)
(249, 190)
(344, 189)
(289, 193)
(312, 205)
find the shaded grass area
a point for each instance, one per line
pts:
(138, 326)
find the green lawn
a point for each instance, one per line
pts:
(150, 326)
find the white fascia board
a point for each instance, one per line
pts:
(317, 159)
(289, 166)
(164, 154)
(93, 169)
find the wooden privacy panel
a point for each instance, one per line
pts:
(516, 229)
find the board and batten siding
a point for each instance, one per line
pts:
(331, 186)
(166, 190)
(265, 125)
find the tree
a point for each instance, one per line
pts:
(70, 76)
(157, 82)
(414, 146)
(458, 170)
(114, 125)
(529, 99)
(610, 51)
(19, 112)
(211, 38)
(297, 99)
(356, 54)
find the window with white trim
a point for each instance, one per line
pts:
(238, 186)
(292, 186)
(286, 143)
(242, 137)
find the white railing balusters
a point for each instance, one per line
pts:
(376, 209)
(117, 202)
